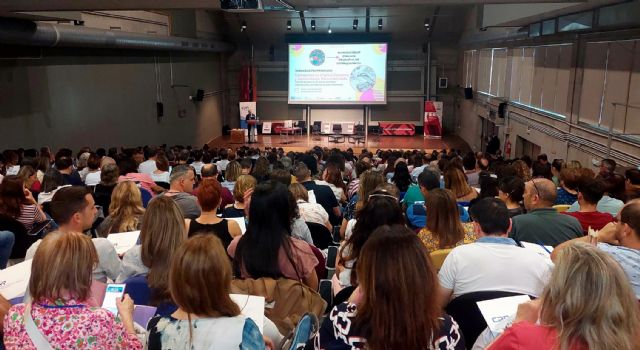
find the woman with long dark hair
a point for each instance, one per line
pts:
(444, 229)
(396, 303)
(267, 248)
(401, 177)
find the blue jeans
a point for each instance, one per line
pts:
(7, 239)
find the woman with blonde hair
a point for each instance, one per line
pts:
(125, 210)
(444, 229)
(206, 318)
(456, 181)
(162, 232)
(60, 287)
(522, 170)
(231, 175)
(242, 185)
(587, 304)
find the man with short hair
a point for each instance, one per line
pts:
(414, 192)
(543, 224)
(197, 161)
(621, 239)
(322, 193)
(607, 167)
(224, 160)
(74, 210)
(69, 174)
(149, 165)
(469, 163)
(632, 184)
(211, 171)
(590, 191)
(180, 187)
(494, 262)
(417, 212)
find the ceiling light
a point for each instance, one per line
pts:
(313, 24)
(380, 24)
(329, 30)
(288, 24)
(243, 27)
(355, 24)
(427, 23)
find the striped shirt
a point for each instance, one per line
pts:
(29, 215)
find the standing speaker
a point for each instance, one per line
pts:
(468, 93)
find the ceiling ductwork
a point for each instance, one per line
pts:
(24, 32)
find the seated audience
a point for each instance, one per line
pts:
(587, 304)
(309, 212)
(621, 240)
(380, 208)
(443, 226)
(74, 210)
(161, 173)
(414, 193)
(396, 303)
(197, 161)
(261, 170)
(267, 248)
(125, 210)
(162, 232)
(632, 184)
(224, 161)
(243, 184)
(608, 204)
(299, 228)
(556, 167)
(368, 182)
(181, 185)
(17, 202)
(206, 318)
(511, 192)
(323, 194)
(209, 193)
(567, 193)
(522, 170)
(470, 164)
(92, 174)
(332, 177)
(401, 177)
(69, 175)
(128, 168)
(102, 192)
(455, 181)
(590, 191)
(353, 186)
(149, 165)
(210, 171)
(30, 178)
(59, 287)
(494, 262)
(543, 224)
(51, 182)
(231, 175)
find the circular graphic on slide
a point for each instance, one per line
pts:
(362, 78)
(316, 57)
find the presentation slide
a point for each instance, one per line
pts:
(338, 73)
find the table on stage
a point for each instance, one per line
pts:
(237, 135)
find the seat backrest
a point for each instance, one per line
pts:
(22, 239)
(317, 123)
(332, 252)
(561, 208)
(438, 256)
(326, 292)
(302, 124)
(288, 300)
(320, 234)
(146, 196)
(337, 128)
(465, 311)
(138, 289)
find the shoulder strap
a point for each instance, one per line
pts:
(35, 335)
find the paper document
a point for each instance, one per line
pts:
(123, 241)
(500, 312)
(251, 306)
(142, 314)
(14, 280)
(241, 222)
(544, 250)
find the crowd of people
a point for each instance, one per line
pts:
(218, 221)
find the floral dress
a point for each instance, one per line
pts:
(68, 325)
(431, 241)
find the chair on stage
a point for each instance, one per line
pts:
(302, 124)
(316, 129)
(358, 137)
(337, 136)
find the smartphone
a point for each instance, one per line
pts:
(113, 292)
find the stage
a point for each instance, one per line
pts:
(301, 143)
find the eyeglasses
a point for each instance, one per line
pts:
(536, 187)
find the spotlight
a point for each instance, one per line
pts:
(313, 24)
(355, 24)
(289, 25)
(427, 23)
(243, 27)
(380, 24)
(329, 30)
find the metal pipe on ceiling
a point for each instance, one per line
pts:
(24, 32)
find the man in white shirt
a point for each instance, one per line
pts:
(222, 163)
(494, 262)
(74, 210)
(149, 165)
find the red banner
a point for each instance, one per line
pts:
(397, 128)
(433, 119)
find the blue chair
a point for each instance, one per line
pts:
(146, 196)
(306, 328)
